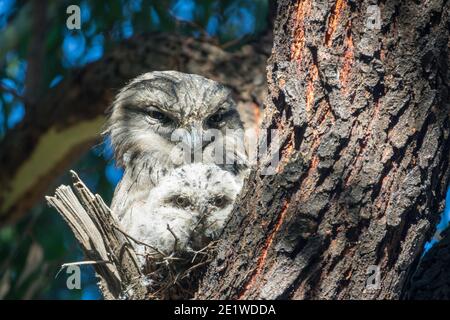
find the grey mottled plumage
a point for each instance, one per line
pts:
(145, 115)
(194, 201)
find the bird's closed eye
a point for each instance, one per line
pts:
(216, 117)
(158, 115)
(220, 116)
(149, 111)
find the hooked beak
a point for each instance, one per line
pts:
(193, 140)
(196, 137)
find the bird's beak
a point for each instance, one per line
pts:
(196, 133)
(191, 139)
(204, 209)
(203, 213)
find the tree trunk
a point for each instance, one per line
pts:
(360, 102)
(70, 117)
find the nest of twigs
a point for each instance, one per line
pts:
(127, 268)
(175, 275)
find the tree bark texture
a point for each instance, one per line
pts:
(70, 117)
(362, 111)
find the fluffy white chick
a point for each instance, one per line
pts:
(186, 210)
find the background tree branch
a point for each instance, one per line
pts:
(36, 55)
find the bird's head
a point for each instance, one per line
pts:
(161, 110)
(195, 200)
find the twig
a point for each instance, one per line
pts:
(202, 251)
(204, 215)
(175, 237)
(140, 242)
(79, 263)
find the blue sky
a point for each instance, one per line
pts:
(6, 7)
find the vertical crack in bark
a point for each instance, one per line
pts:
(298, 42)
(348, 58)
(337, 9)
(286, 153)
(312, 77)
(263, 256)
(363, 144)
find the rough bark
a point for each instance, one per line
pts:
(71, 115)
(363, 116)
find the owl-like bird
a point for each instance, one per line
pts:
(185, 211)
(163, 120)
